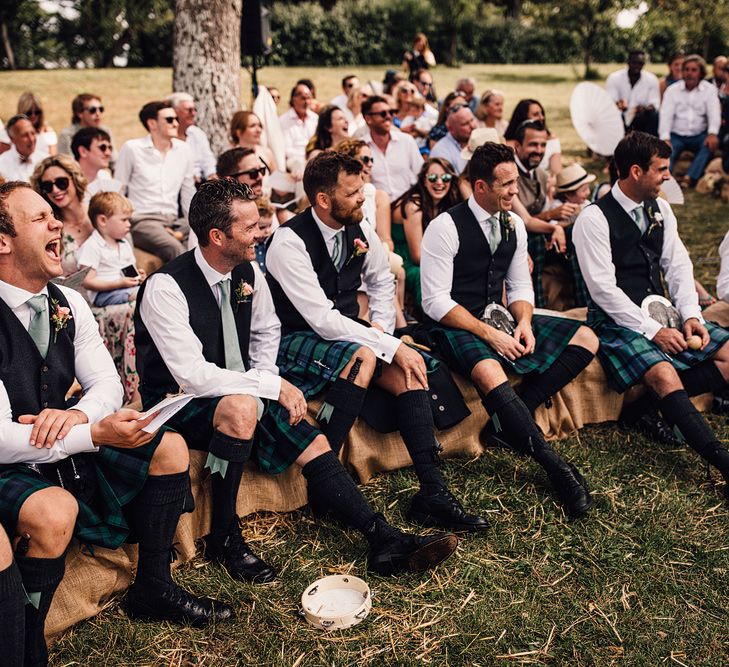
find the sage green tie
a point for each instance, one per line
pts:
(639, 219)
(40, 325)
(337, 251)
(233, 358)
(494, 233)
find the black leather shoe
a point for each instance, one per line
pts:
(571, 489)
(443, 510)
(172, 603)
(653, 427)
(235, 555)
(392, 551)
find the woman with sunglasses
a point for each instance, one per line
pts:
(87, 110)
(46, 137)
(331, 129)
(533, 110)
(435, 191)
(246, 130)
(59, 180)
(490, 111)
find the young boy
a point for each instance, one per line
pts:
(113, 277)
(265, 229)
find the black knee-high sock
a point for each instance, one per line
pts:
(340, 410)
(680, 413)
(415, 423)
(539, 387)
(632, 412)
(41, 577)
(225, 488)
(153, 517)
(336, 491)
(702, 378)
(12, 613)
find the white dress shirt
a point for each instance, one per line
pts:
(644, 93)
(296, 134)
(591, 236)
(340, 101)
(106, 260)
(95, 371)
(165, 313)
(689, 112)
(722, 282)
(152, 181)
(16, 168)
(397, 169)
(204, 162)
(288, 261)
(440, 246)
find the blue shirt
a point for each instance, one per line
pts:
(450, 149)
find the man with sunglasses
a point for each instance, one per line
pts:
(18, 163)
(460, 122)
(348, 82)
(92, 149)
(397, 156)
(197, 140)
(156, 172)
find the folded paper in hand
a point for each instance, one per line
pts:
(166, 408)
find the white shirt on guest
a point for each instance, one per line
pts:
(204, 162)
(644, 93)
(689, 112)
(152, 181)
(591, 236)
(722, 282)
(107, 261)
(165, 312)
(296, 134)
(16, 168)
(288, 261)
(439, 248)
(397, 169)
(95, 371)
(340, 101)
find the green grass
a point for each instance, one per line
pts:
(642, 581)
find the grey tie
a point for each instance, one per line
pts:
(337, 250)
(494, 233)
(233, 358)
(40, 325)
(639, 218)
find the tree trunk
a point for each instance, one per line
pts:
(452, 46)
(206, 62)
(7, 45)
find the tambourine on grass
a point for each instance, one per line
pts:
(336, 602)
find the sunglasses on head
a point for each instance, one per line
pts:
(93, 110)
(61, 183)
(105, 147)
(387, 113)
(366, 159)
(457, 107)
(434, 178)
(251, 173)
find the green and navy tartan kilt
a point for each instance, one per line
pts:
(277, 444)
(538, 253)
(120, 474)
(462, 350)
(626, 355)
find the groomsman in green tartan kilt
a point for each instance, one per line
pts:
(316, 264)
(471, 256)
(90, 470)
(206, 324)
(629, 252)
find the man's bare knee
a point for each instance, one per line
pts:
(49, 517)
(171, 456)
(317, 447)
(236, 415)
(585, 337)
(488, 374)
(662, 379)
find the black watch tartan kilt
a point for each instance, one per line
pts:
(626, 356)
(538, 253)
(462, 350)
(120, 476)
(277, 444)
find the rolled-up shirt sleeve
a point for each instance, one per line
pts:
(265, 331)
(518, 281)
(437, 250)
(379, 281)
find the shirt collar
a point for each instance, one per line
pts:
(15, 296)
(626, 202)
(521, 166)
(482, 215)
(326, 231)
(211, 275)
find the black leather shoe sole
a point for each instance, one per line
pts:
(431, 552)
(431, 521)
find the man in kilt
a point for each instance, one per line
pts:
(469, 254)
(89, 470)
(629, 248)
(316, 264)
(205, 323)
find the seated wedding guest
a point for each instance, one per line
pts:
(266, 214)
(206, 323)
(113, 277)
(675, 71)
(331, 128)
(353, 108)
(298, 125)
(348, 83)
(316, 264)
(18, 163)
(636, 94)
(91, 471)
(156, 171)
(533, 110)
(439, 130)
(46, 138)
(471, 256)
(92, 149)
(316, 105)
(187, 130)
(460, 122)
(275, 94)
(629, 250)
(490, 111)
(467, 87)
(59, 181)
(435, 191)
(86, 111)
(246, 130)
(403, 92)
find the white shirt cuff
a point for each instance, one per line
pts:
(649, 328)
(269, 386)
(78, 441)
(387, 347)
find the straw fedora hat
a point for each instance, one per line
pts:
(572, 177)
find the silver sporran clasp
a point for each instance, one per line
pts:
(496, 316)
(662, 311)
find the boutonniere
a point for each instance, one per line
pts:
(361, 247)
(243, 293)
(60, 315)
(507, 224)
(656, 219)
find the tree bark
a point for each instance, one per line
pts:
(7, 45)
(206, 62)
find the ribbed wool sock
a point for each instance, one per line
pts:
(340, 410)
(12, 613)
(702, 378)
(225, 488)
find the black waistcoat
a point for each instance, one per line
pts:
(155, 379)
(478, 277)
(340, 288)
(636, 256)
(34, 383)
